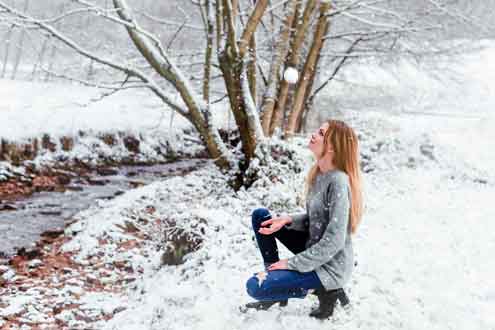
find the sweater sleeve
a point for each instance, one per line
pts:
(333, 238)
(300, 222)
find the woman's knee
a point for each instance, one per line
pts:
(253, 288)
(259, 215)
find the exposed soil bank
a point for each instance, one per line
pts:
(34, 205)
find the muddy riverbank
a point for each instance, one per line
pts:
(34, 205)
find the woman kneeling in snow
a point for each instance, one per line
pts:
(320, 238)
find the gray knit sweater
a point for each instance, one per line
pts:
(329, 247)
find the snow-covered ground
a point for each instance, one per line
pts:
(423, 249)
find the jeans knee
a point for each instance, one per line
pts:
(252, 287)
(258, 216)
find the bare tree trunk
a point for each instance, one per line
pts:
(293, 61)
(252, 67)
(307, 107)
(232, 70)
(90, 70)
(279, 56)
(309, 70)
(41, 58)
(209, 50)
(8, 43)
(53, 52)
(233, 65)
(20, 48)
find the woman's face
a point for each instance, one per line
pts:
(316, 144)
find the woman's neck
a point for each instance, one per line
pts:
(326, 165)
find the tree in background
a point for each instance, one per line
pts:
(267, 54)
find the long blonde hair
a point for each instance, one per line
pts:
(346, 158)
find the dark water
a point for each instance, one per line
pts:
(45, 211)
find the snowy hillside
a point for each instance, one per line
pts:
(32, 109)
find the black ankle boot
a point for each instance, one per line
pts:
(264, 305)
(328, 300)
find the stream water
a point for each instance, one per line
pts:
(48, 211)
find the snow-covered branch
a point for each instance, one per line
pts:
(251, 111)
(152, 49)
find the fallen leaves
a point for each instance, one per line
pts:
(56, 279)
(128, 227)
(127, 245)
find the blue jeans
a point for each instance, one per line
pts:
(279, 284)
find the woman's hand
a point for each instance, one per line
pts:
(274, 224)
(281, 264)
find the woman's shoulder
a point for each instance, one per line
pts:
(337, 185)
(337, 177)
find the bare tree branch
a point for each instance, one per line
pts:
(458, 15)
(251, 25)
(334, 71)
(381, 31)
(128, 70)
(171, 22)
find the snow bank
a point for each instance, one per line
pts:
(31, 109)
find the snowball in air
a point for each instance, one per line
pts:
(291, 75)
